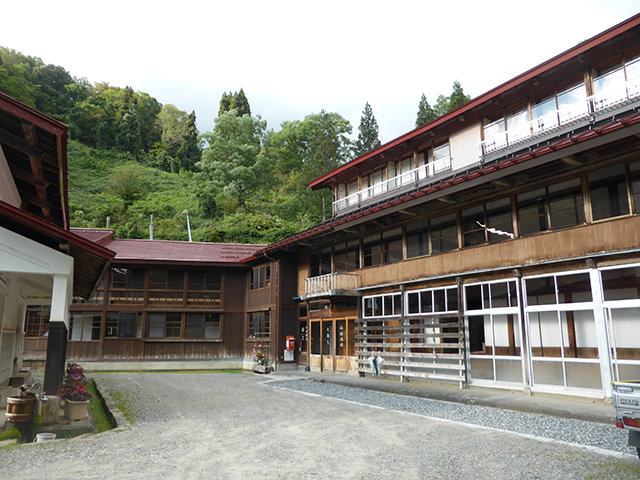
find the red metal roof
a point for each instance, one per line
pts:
(478, 101)
(180, 252)
(96, 235)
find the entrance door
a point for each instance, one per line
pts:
(333, 344)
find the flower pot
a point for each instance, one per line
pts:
(19, 409)
(75, 411)
(261, 368)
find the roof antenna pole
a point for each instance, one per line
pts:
(188, 225)
(108, 222)
(151, 228)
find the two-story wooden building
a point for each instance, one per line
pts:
(497, 245)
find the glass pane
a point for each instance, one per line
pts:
(452, 299)
(474, 297)
(499, 223)
(477, 331)
(547, 373)
(545, 335)
(608, 191)
(155, 325)
(509, 371)
(499, 295)
(565, 204)
(439, 304)
(541, 291)
(481, 369)
(574, 288)
(584, 375)
(413, 298)
(473, 226)
(128, 324)
(426, 305)
(377, 306)
(633, 69)
(444, 234)
(212, 325)
(518, 126)
(195, 325)
(621, 283)
(532, 212)
(397, 304)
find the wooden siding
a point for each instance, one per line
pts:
(609, 236)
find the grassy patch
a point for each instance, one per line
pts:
(102, 418)
(146, 372)
(125, 403)
(615, 469)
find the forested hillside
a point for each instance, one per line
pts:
(130, 158)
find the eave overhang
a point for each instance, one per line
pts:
(35, 147)
(439, 123)
(90, 259)
(472, 177)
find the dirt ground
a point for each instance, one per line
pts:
(237, 426)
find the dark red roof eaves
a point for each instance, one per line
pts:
(25, 112)
(31, 115)
(51, 229)
(476, 102)
(580, 137)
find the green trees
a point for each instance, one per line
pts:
(302, 151)
(443, 104)
(234, 101)
(178, 147)
(232, 166)
(368, 133)
(425, 112)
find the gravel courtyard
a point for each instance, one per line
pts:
(246, 426)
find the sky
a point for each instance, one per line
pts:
(295, 58)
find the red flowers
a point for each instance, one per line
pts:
(74, 386)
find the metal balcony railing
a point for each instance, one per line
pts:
(565, 115)
(414, 176)
(332, 282)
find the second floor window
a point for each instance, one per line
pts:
(260, 277)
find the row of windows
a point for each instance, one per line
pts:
(618, 284)
(166, 287)
(613, 192)
(85, 326)
(560, 105)
(133, 279)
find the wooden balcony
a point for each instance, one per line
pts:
(331, 285)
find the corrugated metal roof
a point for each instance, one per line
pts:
(180, 252)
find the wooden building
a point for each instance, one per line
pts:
(497, 245)
(162, 302)
(41, 261)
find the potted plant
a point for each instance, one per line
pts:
(260, 361)
(74, 393)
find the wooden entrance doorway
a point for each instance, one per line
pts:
(333, 345)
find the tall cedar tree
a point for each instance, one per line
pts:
(189, 152)
(234, 101)
(425, 112)
(368, 136)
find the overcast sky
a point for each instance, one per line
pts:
(295, 58)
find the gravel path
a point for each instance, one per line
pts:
(243, 426)
(607, 438)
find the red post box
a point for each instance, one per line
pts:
(290, 343)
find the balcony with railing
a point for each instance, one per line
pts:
(331, 285)
(407, 180)
(564, 117)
